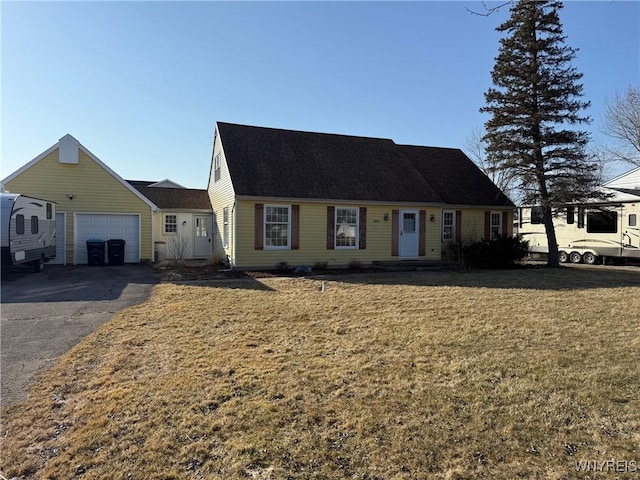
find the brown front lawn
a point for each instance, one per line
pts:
(500, 375)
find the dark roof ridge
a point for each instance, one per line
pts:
(363, 137)
(427, 146)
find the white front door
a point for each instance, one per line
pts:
(202, 236)
(409, 229)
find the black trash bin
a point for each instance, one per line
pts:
(95, 252)
(115, 251)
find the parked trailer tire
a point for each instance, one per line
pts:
(563, 257)
(589, 258)
(38, 265)
(575, 257)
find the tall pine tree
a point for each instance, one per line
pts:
(535, 99)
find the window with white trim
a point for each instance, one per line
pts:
(217, 161)
(448, 226)
(496, 225)
(347, 223)
(277, 227)
(170, 224)
(225, 226)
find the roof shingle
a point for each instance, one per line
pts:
(177, 198)
(269, 162)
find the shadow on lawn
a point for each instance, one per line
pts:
(243, 283)
(529, 277)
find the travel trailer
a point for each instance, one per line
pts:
(28, 230)
(594, 231)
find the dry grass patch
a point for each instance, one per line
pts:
(436, 375)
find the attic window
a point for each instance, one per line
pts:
(216, 166)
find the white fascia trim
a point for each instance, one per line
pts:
(94, 158)
(615, 179)
(216, 137)
(30, 164)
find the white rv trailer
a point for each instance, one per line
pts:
(28, 230)
(593, 231)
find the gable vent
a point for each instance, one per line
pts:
(68, 149)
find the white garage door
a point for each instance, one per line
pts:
(60, 240)
(102, 226)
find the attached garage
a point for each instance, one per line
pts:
(107, 226)
(95, 201)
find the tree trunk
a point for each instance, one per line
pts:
(552, 242)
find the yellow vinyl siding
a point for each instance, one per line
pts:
(94, 190)
(222, 196)
(313, 236)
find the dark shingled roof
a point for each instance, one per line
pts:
(177, 198)
(269, 162)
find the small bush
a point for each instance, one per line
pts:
(320, 266)
(453, 254)
(282, 267)
(502, 252)
(355, 264)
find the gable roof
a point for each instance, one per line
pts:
(177, 198)
(630, 180)
(91, 156)
(269, 162)
(166, 183)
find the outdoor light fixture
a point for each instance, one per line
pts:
(386, 217)
(70, 195)
(184, 223)
(432, 218)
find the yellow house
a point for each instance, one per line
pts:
(304, 198)
(93, 202)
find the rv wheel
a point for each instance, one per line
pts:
(563, 257)
(589, 258)
(38, 265)
(575, 257)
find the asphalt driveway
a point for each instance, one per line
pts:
(45, 314)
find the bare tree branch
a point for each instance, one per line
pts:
(488, 10)
(622, 123)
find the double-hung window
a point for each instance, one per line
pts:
(217, 161)
(347, 222)
(170, 224)
(496, 225)
(277, 227)
(448, 226)
(225, 226)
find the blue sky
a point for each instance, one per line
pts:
(141, 84)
